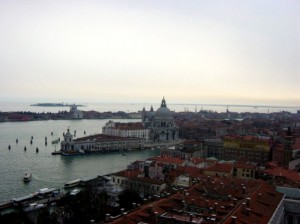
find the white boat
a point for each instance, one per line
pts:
(72, 183)
(75, 191)
(27, 177)
(33, 207)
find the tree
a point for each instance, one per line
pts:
(128, 197)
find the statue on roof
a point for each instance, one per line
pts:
(163, 103)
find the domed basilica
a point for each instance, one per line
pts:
(161, 125)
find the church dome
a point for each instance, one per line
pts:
(163, 111)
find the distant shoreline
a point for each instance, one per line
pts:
(55, 105)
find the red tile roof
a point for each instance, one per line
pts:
(290, 175)
(244, 165)
(214, 197)
(169, 160)
(101, 137)
(221, 167)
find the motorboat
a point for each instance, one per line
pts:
(72, 183)
(75, 191)
(55, 141)
(27, 177)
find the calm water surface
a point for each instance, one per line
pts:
(49, 170)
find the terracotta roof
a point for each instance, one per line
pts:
(221, 167)
(101, 137)
(128, 173)
(244, 165)
(129, 126)
(258, 207)
(281, 172)
(216, 197)
(168, 160)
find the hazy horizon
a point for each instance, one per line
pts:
(195, 52)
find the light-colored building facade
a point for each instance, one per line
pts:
(126, 130)
(75, 113)
(246, 148)
(99, 143)
(135, 180)
(161, 125)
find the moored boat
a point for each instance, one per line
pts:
(27, 177)
(56, 141)
(72, 183)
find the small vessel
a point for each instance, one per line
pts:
(31, 142)
(25, 148)
(34, 207)
(56, 153)
(75, 191)
(27, 177)
(72, 183)
(9, 147)
(37, 150)
(55, 141)
(17, 140)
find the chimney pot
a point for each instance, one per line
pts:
(233, 219)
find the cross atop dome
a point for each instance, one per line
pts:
(163, 103)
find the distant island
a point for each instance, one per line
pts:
(55, 105)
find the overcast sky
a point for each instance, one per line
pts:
(202, 51)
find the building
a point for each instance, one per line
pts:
(75, 113)
(161, 125)
(246, 148)
(213, 200)
(213, 148)
(244, 170)
(99, 143)
(126, 129)
(135, 180)
(220, 169)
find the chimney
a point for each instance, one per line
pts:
(216, 205)
(248, 211)
(248, 202)
(233, 219)
(234, 201)
(259, 196)
(107, 217)
(244, 190)
(244, 206)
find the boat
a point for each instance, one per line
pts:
(55, 141)
(72, 183)
(56, 153)
(72, 152)
(75, 192)
(33, 207)
(27, 177)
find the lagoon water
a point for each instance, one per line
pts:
(49, 170)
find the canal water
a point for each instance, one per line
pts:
(49, 170)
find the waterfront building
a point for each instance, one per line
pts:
(75, 113)
(161, 124)
(132, 129)
(135, 180)
(99, 143)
